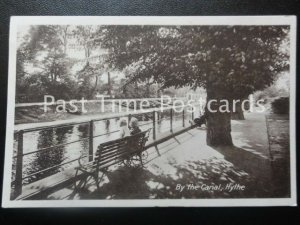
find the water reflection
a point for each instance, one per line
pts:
(83, 133)
(51, 157)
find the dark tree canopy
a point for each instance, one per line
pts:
(237, 59)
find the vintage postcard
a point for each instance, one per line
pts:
(151, 111)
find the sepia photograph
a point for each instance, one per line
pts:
(151, 111)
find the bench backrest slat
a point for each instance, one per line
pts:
(113, 148)
(114, 151)
(110, 145)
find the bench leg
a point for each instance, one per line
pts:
(143, 157)
(141, 160)
(99, 179)
(96, 178)
(79, 186)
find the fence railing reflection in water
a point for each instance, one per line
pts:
(56, 157)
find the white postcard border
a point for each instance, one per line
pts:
(146, 20)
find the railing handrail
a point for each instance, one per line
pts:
(81, 139)
(97, 118)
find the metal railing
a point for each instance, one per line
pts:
(19, 178)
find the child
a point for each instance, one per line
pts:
(124, 131)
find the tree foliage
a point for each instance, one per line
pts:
(237, 59)
(230, 62)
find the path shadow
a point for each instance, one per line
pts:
(261, 168)
(237, 167)
(220, 166)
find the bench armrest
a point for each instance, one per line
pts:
(80, 165)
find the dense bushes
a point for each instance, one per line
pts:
(281, 105)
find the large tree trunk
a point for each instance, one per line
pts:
(218, 129)
(218, 123)
(238, 114)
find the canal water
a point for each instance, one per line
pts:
(73, 142)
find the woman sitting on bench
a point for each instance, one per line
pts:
(134, 126)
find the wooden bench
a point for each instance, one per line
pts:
(127, 150)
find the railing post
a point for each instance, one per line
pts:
(171, 120)
(129, 118)
(19, 165)
(183, 124)
(91, 140)
(154, 125)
